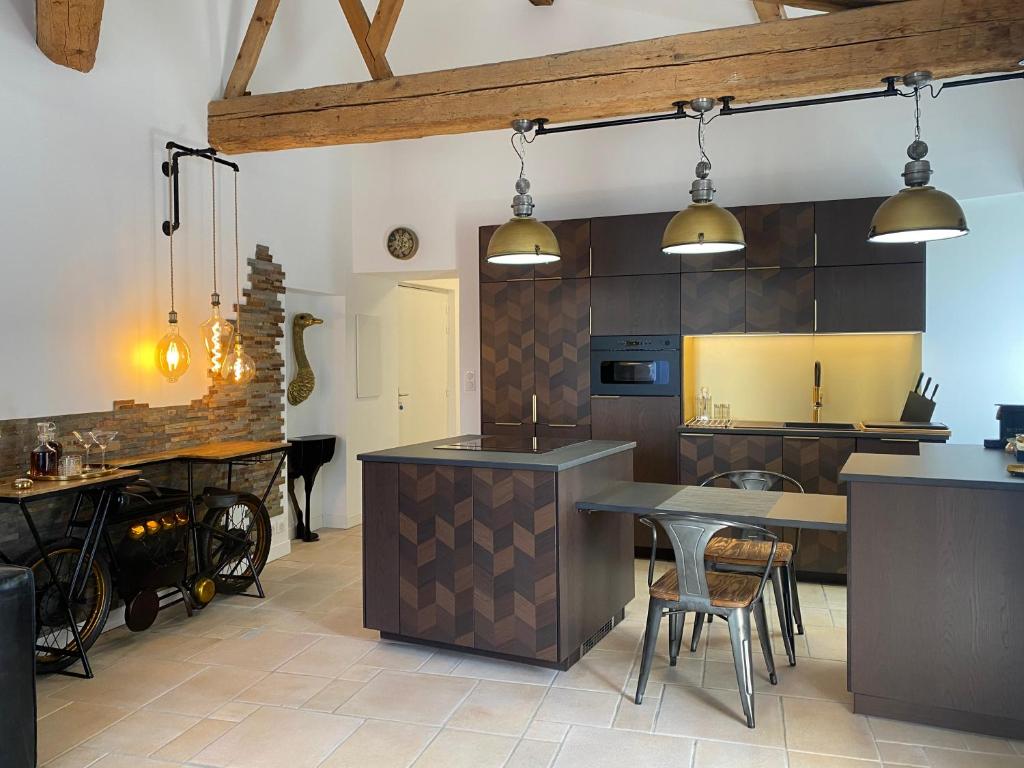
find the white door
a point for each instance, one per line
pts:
(423, 366)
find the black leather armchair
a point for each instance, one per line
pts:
(17, 668)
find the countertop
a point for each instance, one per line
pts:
(967, 466)
(557, 460)
(748, 427)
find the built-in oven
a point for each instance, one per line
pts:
(635, 365)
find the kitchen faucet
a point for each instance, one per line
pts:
(816, 393)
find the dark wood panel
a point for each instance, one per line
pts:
(435, 553)
(736, 452)
(780, 235)
(814, 462)
(708, 262)
(713, 302)
(696, 458)
(631, 245)
(649, 421)
(927, 564)
(562, 377)
(574, 243)
(644, 304)
(842, 227)
(780, 300)
(595, 553)
(898, 446)
(380, 546)
(496, 273)
(508, 430)
(507, 352)
(515, 563)
(884, 297)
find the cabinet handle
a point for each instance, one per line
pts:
(508, 423)
(815, 249)
(566, 426)
(534, 409)
(694, 434)
(799, 437)
(605, 397)
(815, 314)
(897, 440)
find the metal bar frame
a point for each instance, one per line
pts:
(172, 170)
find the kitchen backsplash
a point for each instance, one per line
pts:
(864, 377)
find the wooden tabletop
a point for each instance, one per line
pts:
(791, 510)
(44, 488)
(227, 450)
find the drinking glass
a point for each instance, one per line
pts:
(87, 440)
(103, 439)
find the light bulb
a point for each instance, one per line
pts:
(238, 367)
(217, 333)
(172, 354)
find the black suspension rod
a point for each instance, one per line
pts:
(171, 169)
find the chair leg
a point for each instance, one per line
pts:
(650, 645)
(781, 590)
(675, 636)
(761, 619)
(796, 600)
(698, 624)
(739, 637)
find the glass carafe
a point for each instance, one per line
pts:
(704, 405)
(45, 457)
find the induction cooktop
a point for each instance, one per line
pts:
(509, 444)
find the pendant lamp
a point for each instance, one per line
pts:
(919, 212)
(216, 331)
(523, 239)
(239, 367)
(703, 226)
(172, 352)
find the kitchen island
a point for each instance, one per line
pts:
(936, 613)
(478, 546)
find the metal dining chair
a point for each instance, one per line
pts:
(690, 586)
(745, 556)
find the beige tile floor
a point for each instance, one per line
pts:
(294, 681)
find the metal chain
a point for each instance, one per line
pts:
(703, 158)
(170, 219)
(917, 114)
(213, 187)
(238, 290)
(520, 150)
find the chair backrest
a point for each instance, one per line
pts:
(690, 535)
(755, 479)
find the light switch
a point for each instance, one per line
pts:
(469, 381)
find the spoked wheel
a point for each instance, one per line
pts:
(89, 606)
(224, 544)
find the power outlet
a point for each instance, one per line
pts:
(277, 526)
(469, 381)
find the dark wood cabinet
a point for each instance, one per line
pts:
(713, 302)
(814, 462)
(900, 446)
(780, 235)
(507, 429)
(696, 458)
(574, 243)
(630, 245)
(842, 227)
(881, 297)
(496, 273)
(651, 422)
(709, 262)
(507, 352)
(562, 344)
(737, 452)
(641, 304)
(780, 300)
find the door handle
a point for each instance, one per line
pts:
(403, 394)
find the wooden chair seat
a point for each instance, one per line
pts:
(727, 590)
(723, 550)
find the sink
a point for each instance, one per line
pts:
(840, 426)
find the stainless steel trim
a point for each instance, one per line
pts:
(815, 314)
(605, 397)
(565, 426)
(695, 434)
(801, 437)
(534, 398)
(815, 249)
(753, 268)
(897, 440)
(508, 423)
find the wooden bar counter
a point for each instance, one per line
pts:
(485, 551)
(936, 588)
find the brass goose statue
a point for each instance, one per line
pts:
(301, 386)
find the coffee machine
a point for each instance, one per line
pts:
(1011, 424)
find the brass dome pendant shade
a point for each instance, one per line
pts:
(918, 213)
(703, 226)
(523, 239)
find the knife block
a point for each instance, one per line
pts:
(917, 408)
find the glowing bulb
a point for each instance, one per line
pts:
(239, 367)
(217, 333)
(172, 354)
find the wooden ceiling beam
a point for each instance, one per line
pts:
(383, 26)
(802, 58)
(373, 37)
(768, 10)
(831, 6)
(542, 2)
(68, 31)
(252, 45)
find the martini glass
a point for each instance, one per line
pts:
(87, 440)
(103, 439)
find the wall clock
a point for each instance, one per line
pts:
(403, 243)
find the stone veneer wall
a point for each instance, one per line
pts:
(226, 412)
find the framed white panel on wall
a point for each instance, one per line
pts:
(368, 356)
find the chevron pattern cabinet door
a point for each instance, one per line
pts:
(713, 302)
(735, 452)
(515, 563)
(563, 351)
(780, 300)
(780, 235)
(815, 462)
(574, 242)
(696, 458)
(506, 352)
(435, 553)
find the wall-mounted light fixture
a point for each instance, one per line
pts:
(172, 352)
(522, 239)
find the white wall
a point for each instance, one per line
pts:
(974, 347)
